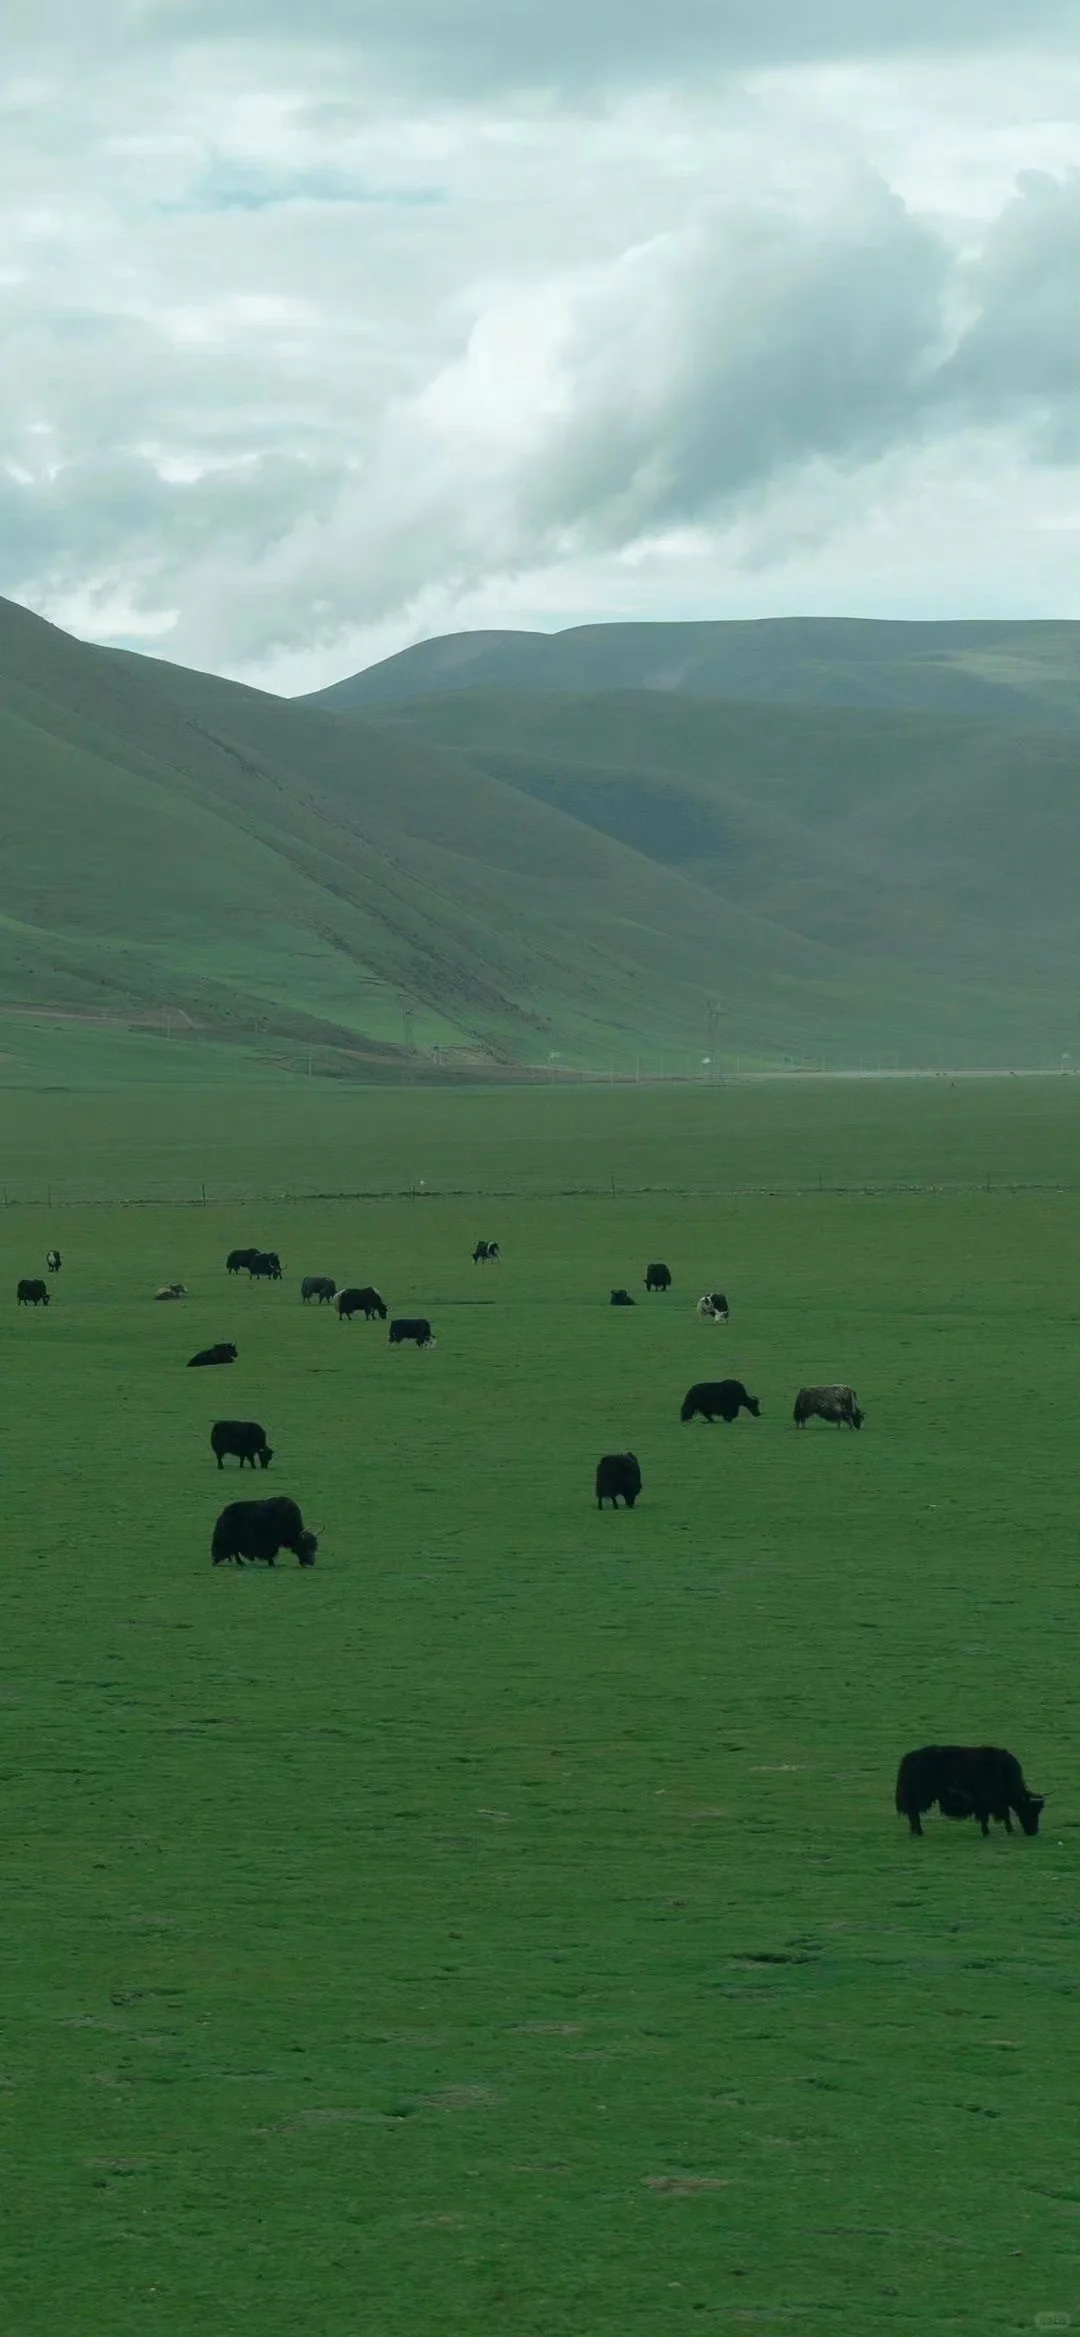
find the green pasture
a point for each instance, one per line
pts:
(505, 1927)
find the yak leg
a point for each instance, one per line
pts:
(914, 1821)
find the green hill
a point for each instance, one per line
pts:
(509, 877)
(1027, 672)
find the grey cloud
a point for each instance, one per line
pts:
(1021, 353)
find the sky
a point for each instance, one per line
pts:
(330, 327)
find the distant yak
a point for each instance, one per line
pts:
(225, 1353)
(243, 1440)
(618, 1476)
(713, 1307)
(966, 1781)
(658, 1277)
(834, 1403)
(367, 1302)
(32, 1294)
(417, 1328)
(239, 1261)
(720, 1399)
(53, 1261)
(256, 1530)
(621, 1298)
(171, 1290)
(264, 1266)
(317, 1286)
(486, 1254)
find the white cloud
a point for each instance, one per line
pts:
(316, 338)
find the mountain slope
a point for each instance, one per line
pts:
(596, 879)
(1016, 672)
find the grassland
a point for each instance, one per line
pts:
(504, 1928)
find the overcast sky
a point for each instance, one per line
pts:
(450, 313)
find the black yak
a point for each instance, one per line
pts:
(966, 1781)
(264, 1266)
(257, 1530)
(317, 1286)
(621, 1298)
(617, 1474)
(32, 1294)
(658, 1278)
(224, 1353)
(835, 1403)
(53, 1261)
(417, 1328)
(368, 1303)
(239, 1261)
(244, 1439)
(719, 1399)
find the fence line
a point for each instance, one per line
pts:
(861, 1189)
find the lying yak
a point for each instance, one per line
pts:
(658, 1277)
(486, 1254)
(719, 1399)
(836, 1403)
(171, 1290)
(32, 1294)
(417, 1328)
(367, 1302)
(966, 1781)
(713, 1307)
(318, 1286)
(617, 1474)
(243, 1439)
(622, 1298)
(225, 1353)
(257, 1530)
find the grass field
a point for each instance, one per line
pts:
(505, 1926)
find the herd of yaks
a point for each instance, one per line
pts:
(966, 1781)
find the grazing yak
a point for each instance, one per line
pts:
(719, 1399)
(244, 1439)
(713, 1307)
(264, 1266)
(966, 1781)
(486, 1254)
(239, 1261)
(172, 1290)
(416, 1328)
(318, 1286)
(617, 1473)
(658, 1277)
(622, 1298)
(224, 1353)
(257, 1530)
(367, 1302)
(53, 1261)
(32, 1294)
(836, 1403)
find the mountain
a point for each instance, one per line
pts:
(995, 672)
(510, 877)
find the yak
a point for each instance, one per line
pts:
(366, 1302)
(719, 1399)
(658, 1277)
(225, 1352)
(486, 1254)
(32, 1294)
(239, 1261)
(317, 1286)
(622, 1298)
(264, 1266)
(257, 1530)
(244, 1439)
(713, 1307)
(417, 1328)
(53, 1261)
(617, 1474)
(171, 1290)
(835, 1403)
(966, 1781)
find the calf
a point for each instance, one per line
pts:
(713, 1307)
(257, 1530)
(966, 1781)
(416, 1328)
(32, 1294)
(360, 1302)
(53, 1261)
(658, 1278)
(171, 1290)
(835, 1403)
(617, 1473)
(621, 1298)
(720, 1399)
(224, 1353)
(264, 1266)
(317, 1286)
(239, 1261)
(244, 1439)
(486, 1254)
